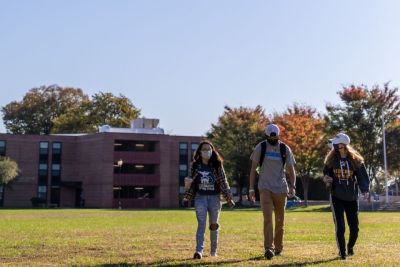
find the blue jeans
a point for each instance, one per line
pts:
(212, 205)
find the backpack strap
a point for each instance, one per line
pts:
(282, 148)
(262, 155)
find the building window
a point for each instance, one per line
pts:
(56, 150)
(135, 146)
(183, 152)
(183, 172)
(135, 192)
(2, 148)
(1, 194)
(43, 152)
(55, 169)
(42, 191)
(42, 169)
(194, 147)
(134, 168)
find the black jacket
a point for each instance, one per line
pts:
(347, 179)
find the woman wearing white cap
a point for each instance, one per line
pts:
(344, 175)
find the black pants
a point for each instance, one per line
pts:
(339, 207)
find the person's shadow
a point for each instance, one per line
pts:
(189, 262)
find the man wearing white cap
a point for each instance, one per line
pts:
(345, 175)
(273, 157)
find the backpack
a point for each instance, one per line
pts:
(282, 149)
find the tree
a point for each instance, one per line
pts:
(105, 108)
(393, 147)
(8, 170)
(360, 117)
(55, 109)
(303, 131)
(36, 113)
(236, 133)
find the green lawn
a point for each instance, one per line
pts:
(58, 237)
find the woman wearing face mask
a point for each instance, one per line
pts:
(344, 175)
(209, 182)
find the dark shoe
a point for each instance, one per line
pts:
(197, 255)
(277, 253)
(342, 256)
(350, 251)
(269, 254)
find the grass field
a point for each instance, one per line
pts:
(58, 237)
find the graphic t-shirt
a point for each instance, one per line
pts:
(205, 180)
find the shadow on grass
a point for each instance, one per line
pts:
(304, 263)
(190, 262)
(181, 263)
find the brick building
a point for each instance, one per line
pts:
(137, 167)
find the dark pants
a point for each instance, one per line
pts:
(339, 208)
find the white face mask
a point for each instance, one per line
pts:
(206, 154)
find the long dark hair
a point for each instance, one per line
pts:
(215, 160)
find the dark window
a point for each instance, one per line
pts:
(194, 147)
(135, 168)
(183, 172)
(55, 174)
(135, 146)
(55, 196)
(1, 194)
(56, 150)
(55, 169)
(43, 170)
(43, 152)
(42, 191)
(183, 152)
(2, 148)
(134, 192)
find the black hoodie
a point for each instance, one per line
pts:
(347, 179)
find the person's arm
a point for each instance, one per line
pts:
(292, 180)
(189, 194)
(252, 194)
(224, 186)
(363, 180)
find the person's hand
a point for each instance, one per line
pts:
(231, 203)
(327, 179)
(366, 195)
(292, 192)
(252, 195)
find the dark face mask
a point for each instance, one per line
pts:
(272, 142)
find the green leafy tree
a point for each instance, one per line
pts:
(393, 147)
(360, 117)
(36, 113)
(55, 109)
(303, 131)
(235, 135)
(105, 108)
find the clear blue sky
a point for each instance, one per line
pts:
(183, 61)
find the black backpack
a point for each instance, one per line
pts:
(282, 149)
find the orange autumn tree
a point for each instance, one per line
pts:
(303, 131)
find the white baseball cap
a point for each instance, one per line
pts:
(341, 138)
(272, 128)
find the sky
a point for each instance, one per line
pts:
(183, 61)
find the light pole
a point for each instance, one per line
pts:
(384, 159)
(119, 164)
